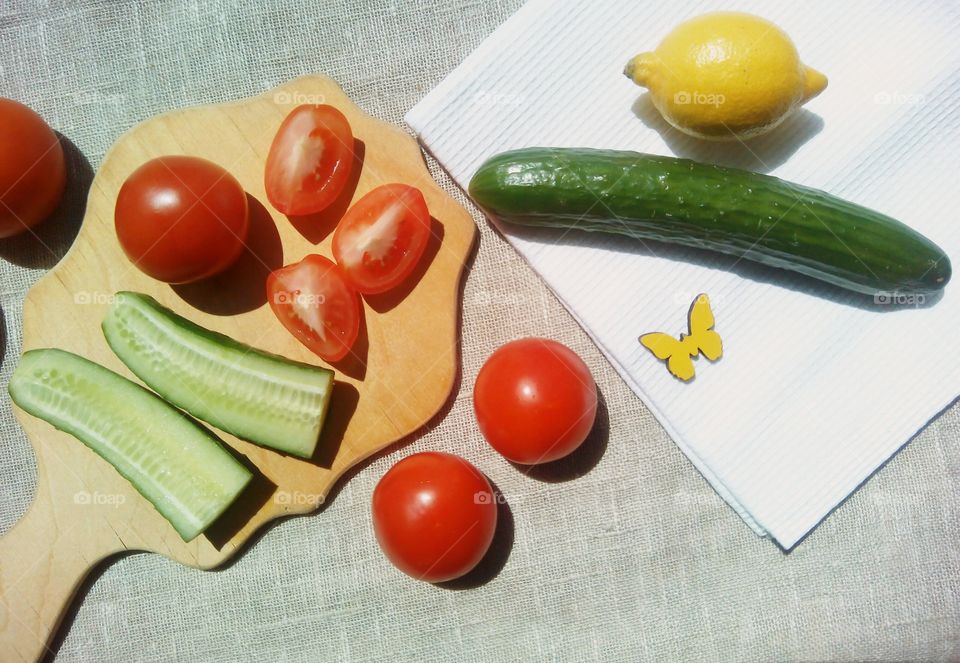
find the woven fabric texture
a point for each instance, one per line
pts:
(623, 553)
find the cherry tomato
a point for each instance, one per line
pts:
(316, 304)
(434, 516)
(535, 400)
(309, 161)
(181, 219)
(382, 237)
(32, 170)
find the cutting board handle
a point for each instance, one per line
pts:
(43, 561)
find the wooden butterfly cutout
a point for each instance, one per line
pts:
(680, 353)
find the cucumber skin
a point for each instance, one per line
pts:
(279, 443)
(133, 393)
(732, 211)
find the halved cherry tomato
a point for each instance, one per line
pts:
(181, 219)
(32, 170)
(535, 400)
(434, 516)
(316, 304)
(309, 161)
(382, 237)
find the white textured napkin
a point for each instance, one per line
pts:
(815, 389)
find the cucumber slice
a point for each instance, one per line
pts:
(176, 464)
(260, 397)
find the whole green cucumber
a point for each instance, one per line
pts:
(745, 214)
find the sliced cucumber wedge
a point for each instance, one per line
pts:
(257, 396)
(173, 462)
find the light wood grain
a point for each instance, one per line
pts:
(84, 511)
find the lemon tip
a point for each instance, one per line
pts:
(813, 84)
(637, 69)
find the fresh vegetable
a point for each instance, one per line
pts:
(751, 216)
(310, 160)
(382, 237)
(535, 401)
(32, 170)
(726, 75)
(434, 516)
(257, 396)
(179, 466)
(181, 219)
(313, 300)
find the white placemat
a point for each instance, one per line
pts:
(816, 388)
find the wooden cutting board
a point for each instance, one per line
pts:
(84, 511)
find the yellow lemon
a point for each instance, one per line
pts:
(726, 75)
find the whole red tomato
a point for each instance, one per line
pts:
(434, 515)
(32, 170)
(181, 219)
(535, 401)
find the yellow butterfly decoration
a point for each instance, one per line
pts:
(679, 353)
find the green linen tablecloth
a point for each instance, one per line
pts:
(625, 555)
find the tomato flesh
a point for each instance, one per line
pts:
(382, 237)
(434, 516)
(181, 219)
(310, 160)
(32, 169)
(313, 300)
(535, 401)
